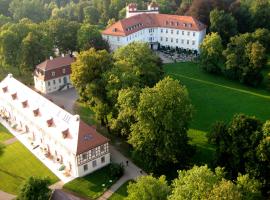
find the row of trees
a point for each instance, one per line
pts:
(196, 183)
(25, 44)
(89, 11)
(131, 98)
(243, 59)
(242, 146)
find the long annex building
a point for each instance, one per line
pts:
(156, 29)
(59, 136)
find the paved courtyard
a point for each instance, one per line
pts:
(65, 99)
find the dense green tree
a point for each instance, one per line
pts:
(35, 48)
(243, 146)
(223, 23)
(245, 59)
(263, 37)
(211, 53)
(90, 37)
(260, 13)
(148, 188)
(35, 188)
(202, 183)
(163, 115)
(87, 73)
(91, 15)
(4, 5)
(4, 19)
(143, 62)
(32, 9)
(236, 144)
(127, 102)
(63, 33)
(242, 15)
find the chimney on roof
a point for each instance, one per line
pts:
(51, 58)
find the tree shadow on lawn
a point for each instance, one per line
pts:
(12, 175)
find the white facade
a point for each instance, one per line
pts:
(53, 85)
(60, 136)
(185, 39)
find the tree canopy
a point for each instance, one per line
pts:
(163, 116)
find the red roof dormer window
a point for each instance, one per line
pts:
(5, 89)
(65, 133)
(24, 104)
(50, 122)
(14, 96)
(36, 112)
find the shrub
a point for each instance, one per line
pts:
(116, 170)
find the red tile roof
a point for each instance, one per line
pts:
(56, 63)
(44, 70)
(89, 138)
(138, 22)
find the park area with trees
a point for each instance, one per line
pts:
(200, 129)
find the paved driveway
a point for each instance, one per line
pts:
(65, 99)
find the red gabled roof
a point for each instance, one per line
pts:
(148, 20)
(89, 138)
(56, 63)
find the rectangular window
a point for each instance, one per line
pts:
(171, 31)
(183, 32)
(54, 82)
(59, 80)
(166, 39)
(193, 42)
(188, 33)
(102, 148)
(187, 41)
(194, 34)
(84, 156)
(166, 30)
(118, 39)
(177, 32)
(94, 163)
(176, 40)
(171, 39)
(53, 73)
(182, 41)
(103, 159)
(93, 153)
(161, 38)
(161, 30)
(85, 167)
(49, 83)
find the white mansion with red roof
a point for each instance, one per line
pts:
(157, 29)
(58, 136)
(53, 74)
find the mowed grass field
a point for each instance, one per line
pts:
(17, 164)
(216, 98)
(4, 134)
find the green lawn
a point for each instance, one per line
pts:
(17, 164)
(4, 134)
(90, 186)
(121, 193)
(216, 98)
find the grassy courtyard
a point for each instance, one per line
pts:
(91, 186)
(121, 193)
(4, 134)
(17, 164)
(216, 98)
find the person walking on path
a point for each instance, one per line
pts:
(127, 163)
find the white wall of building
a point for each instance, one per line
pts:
(165, 36)
(51, 85)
